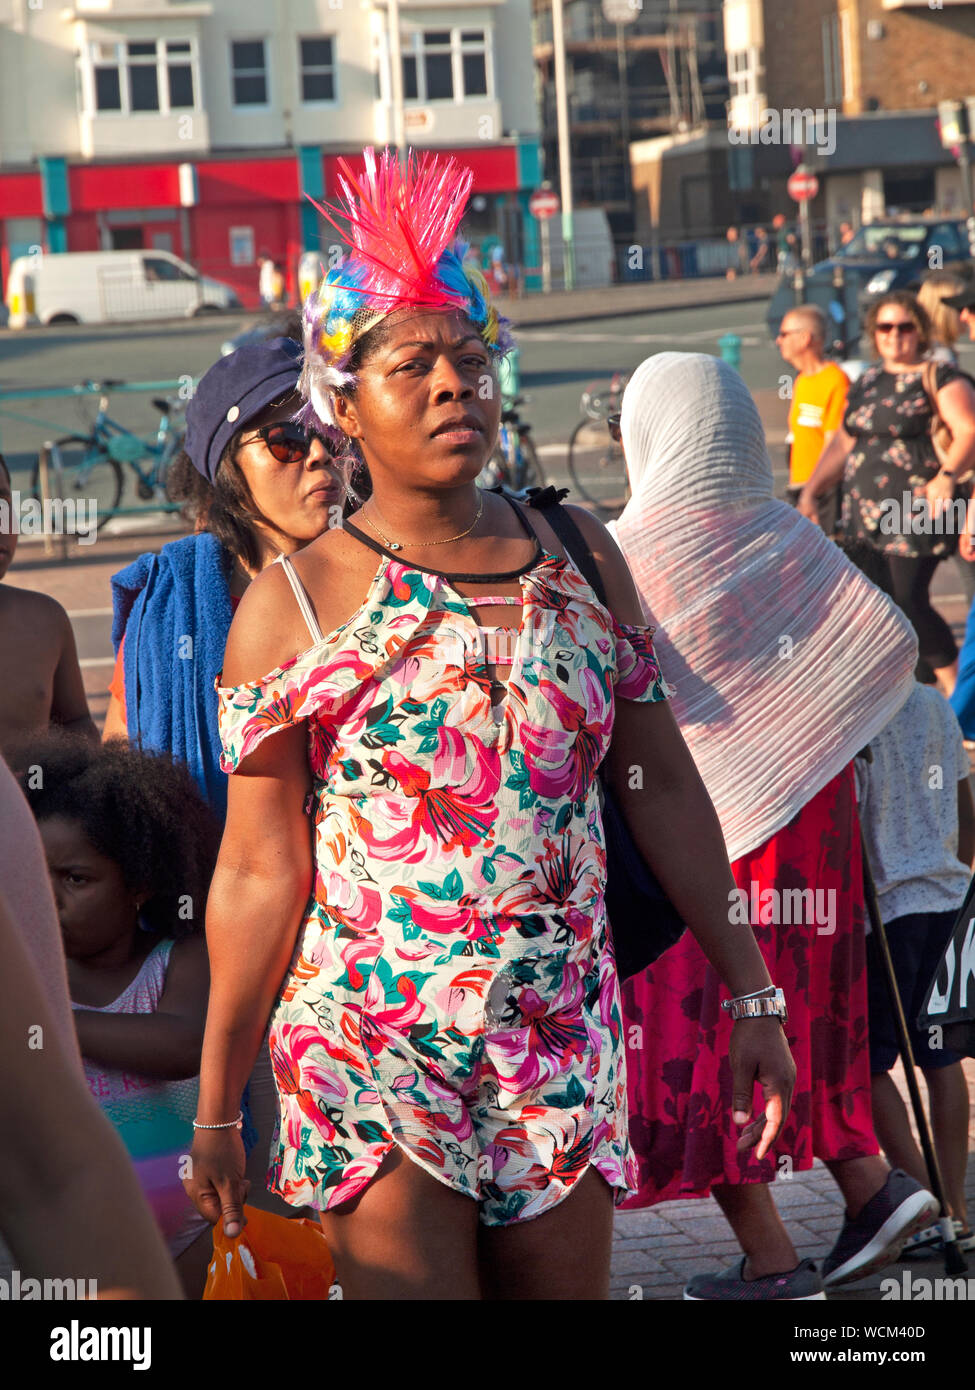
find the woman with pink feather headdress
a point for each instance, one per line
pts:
(411, 881)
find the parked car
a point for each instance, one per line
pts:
(891, 254)
(108, 287)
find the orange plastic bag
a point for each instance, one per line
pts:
(272, 1258)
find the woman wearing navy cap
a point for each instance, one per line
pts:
(256, 485)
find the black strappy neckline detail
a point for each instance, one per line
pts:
(454, 578)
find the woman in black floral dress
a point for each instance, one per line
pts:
(897, 494)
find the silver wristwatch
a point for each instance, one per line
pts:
(770, 1005)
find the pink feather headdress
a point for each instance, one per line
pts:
(402, 252)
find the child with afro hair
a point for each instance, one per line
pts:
(130, 846)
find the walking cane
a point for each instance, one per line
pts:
(955, 1262)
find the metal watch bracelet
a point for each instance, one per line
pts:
(769, 1006)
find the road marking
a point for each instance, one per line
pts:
(96, 661)
(90, 612)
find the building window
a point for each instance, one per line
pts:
(145, 75)
(108, 86)
(142, 60)
(473, 51)
(248, 62)
(744, 67)
(437, 67)
(741, 168)
(317, 70)
(411, 89)
(445, 64)
(179, 67)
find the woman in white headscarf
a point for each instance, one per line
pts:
(784, 661)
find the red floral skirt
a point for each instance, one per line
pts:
(678, 1072)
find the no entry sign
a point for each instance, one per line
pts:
(544, 203)
(802, 186)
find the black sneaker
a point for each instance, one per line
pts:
(877, 1236)
(730, 1285)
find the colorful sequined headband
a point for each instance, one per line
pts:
(403, 253)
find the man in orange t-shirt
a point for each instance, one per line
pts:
(818, 402)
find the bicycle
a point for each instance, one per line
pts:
(514, 463)
(595, 451)
(92, 465)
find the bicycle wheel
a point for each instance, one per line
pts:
(596, 466)
(85, 475)
(495, 471)
(528, 469)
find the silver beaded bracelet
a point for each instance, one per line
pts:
(230, 1124)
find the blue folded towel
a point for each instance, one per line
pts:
(174, 609)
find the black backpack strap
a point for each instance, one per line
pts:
(548, 501)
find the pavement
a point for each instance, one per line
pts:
(612, 301)
(656, 1250)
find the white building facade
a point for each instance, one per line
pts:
(197, 127)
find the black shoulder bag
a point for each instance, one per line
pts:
(643, 920)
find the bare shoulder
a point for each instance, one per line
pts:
(336, 571)
(27, 606)
(622, 595)
(269, 628)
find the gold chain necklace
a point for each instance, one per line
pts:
(398, 545)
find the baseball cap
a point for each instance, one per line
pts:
(964, 299)
(232, 392)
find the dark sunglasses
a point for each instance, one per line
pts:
(905, 327)
(286, 441)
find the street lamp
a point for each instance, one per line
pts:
(396, 82)
(620, 13)
(565, 152)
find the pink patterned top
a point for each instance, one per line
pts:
(452, 989)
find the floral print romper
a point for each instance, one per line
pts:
(888, 414)
(452, 989)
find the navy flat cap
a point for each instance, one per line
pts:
(232, 392)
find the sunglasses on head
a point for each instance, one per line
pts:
(286, 441)
(905, 327)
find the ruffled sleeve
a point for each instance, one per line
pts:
(638, 676)
(317, 683)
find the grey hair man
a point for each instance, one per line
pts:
(818, 400)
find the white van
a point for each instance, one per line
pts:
(109, 287)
